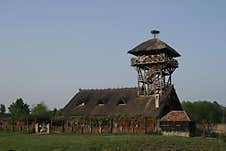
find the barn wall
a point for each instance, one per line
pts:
(115, 126)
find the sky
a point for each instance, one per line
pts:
(51, 48)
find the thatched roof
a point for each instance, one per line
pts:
(123, 101)
(176, 116)
(153, 46)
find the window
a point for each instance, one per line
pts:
(100, 103)
(81, 103)
(122, 101)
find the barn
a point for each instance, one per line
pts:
(130, 110)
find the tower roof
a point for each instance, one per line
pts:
(153, 46)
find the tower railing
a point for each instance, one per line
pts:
(149, 60)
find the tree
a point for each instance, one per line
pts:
(40, 111)
(204, 111)
(19, 110)
(56, 113)
(2, 108)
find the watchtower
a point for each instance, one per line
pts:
(155, 62)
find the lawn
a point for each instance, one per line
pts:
(75, 142)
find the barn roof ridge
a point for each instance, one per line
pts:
(103, 89)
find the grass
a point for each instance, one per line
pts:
(75, 142)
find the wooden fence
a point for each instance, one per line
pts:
(124, 126)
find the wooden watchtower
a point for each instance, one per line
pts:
(155, 62)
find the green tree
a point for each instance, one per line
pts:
(204, 111)
(2, 108)
(19, 110)
(40, 111)
(55, 113)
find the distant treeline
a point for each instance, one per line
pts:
(205, 111)
(19, 110)
(199, 111)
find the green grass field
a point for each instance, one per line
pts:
(75, 142)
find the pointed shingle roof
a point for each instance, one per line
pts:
(154, 46)
(176, 116)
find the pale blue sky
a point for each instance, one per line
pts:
(49, 49)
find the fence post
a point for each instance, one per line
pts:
(111, 125)
(27, 127)
(90, 125)
(62, 125)
(51, 125)
(145, 125)
(12, 125)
